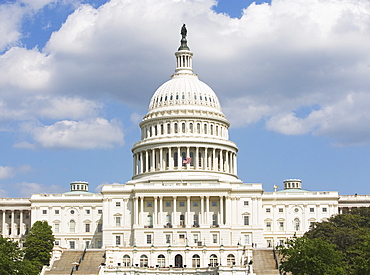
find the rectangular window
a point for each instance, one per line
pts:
(44, 212)
(118, 221)
(56, 227)
(168, 204)
(312, 210)
(268, 210)
(246, 220)
(281, 226)
(281, 210)
(168, 238)
(196, 238)
(118, 204)
(100, 227)
(182, 204)
(87, 211)
(324, 210)
(214, 203)
(72, 244)
(56, 242)
(148, 239)
(100, 211)
(214, 238)
(118, 240)
(56, 212)
(268, 226)
(246, 203)
(246, 239)
(87, 227)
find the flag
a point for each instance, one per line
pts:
(186, 160)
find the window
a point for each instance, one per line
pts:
(87, 211)
(196, 238)
(56, 243)
(126, 260)
(196, 220)
(100, 211)
(214, 203)
(44, 212)
(246, 239)
(268, 226)
(246, 203)
(87, 227)
(149, 204)
(230, 260)
(150, 221)
(161, 261)
(143, 261)
(246, 220)
(168, 238)
(281, 226)
(312, 210)
(268, 210)
(72, 226)
(281, 210)
(149, 239)
(72, 244)
(72, 211)
(214, 238)
(118, 221)
(196, 261)
(56, 227)
(118, 204)
(182, 220)
(214, 220)
(324, 210)
(213, 260)
(56, 212)
(195, 203)
(168, 220)
(168, 204)
(297, 224)
(182, 204)
(118, 240)
(100, 227)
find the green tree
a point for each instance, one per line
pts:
(12, 259)
(304, 256)
(39, 244)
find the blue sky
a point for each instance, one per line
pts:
(76, 77)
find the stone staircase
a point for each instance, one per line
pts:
(88, 266)
(264, 263)
(64, 265)
(91, 262)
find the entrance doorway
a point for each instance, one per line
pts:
(178, 260)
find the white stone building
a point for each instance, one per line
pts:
(185, 205)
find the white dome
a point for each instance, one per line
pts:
(184, 90)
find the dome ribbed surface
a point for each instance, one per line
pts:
(184, 90)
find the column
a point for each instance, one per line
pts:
(4, 215)
(21, 231)
(205, 162)
(174, 216)
(136, 222)
(227, 162)
(12, 223)
(155, 211)
(179, 162)
(221, 210)
(141, 162)
(214, 160)
(207, 210)
(141, 210)
(134, 165)
(146, 162)
(228, 211)
(153, 164)
(235, 165)
(170, 165)
(201, 218)
(188, 224)
(161, 159)
(160, 210)
(196, 158)
(221, 161)
(188, 155)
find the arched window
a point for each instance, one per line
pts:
(168, 128)
(168, 220)
(182, 220)
(198, 128)
(196, 260)
(175, 159)
(191, 127)
(192, 159)
(200, 159)
(143, 261)
(297, 224)
(72, 226)
(230, 260)
(183, 127)
(183, 155)
(161, 261)
(211, 129)
(213, 260)
(126, 260)
(205, 129)
(176, 128)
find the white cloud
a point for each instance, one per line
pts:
(6, 172)
(26, 189)
(98, 133)
(264, 66)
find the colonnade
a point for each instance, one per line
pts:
(186, 211)
(195, 158)
(13, 222)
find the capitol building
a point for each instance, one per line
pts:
(185, 211)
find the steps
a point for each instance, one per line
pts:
(91, 262)
(264, 263)
(64, 265)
